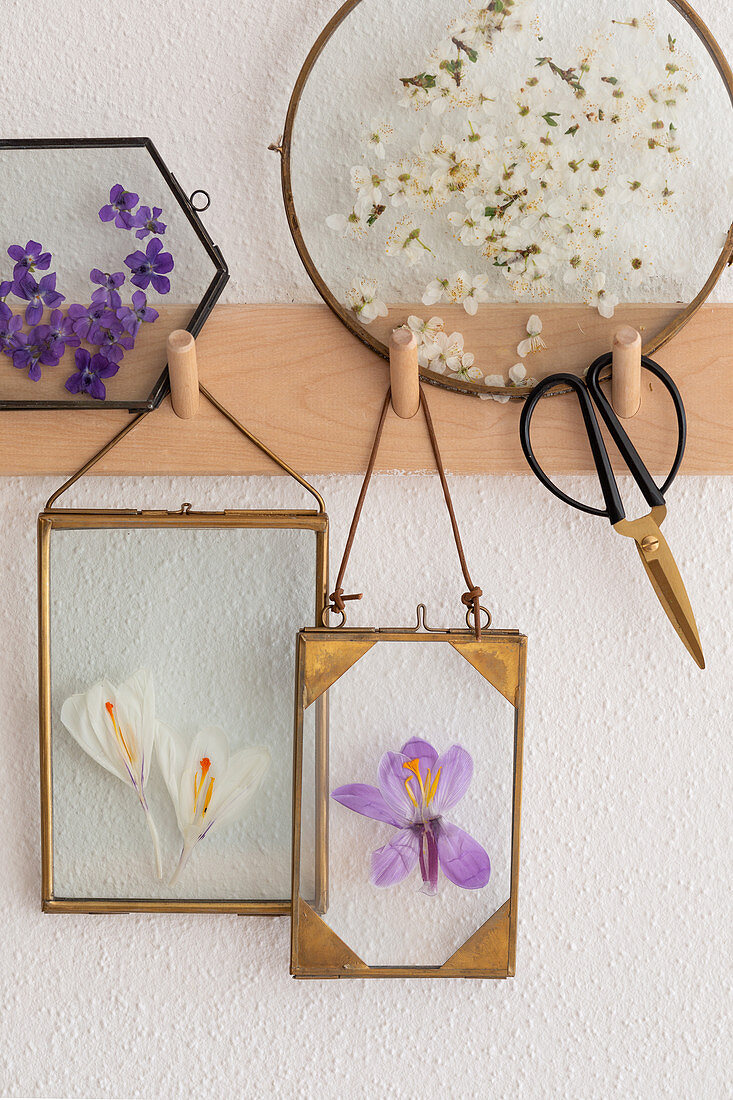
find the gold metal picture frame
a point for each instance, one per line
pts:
(323, 656)
(54, 520)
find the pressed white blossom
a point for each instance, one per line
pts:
(404, 240)
(362, 299)
(605, 301)
(377, 134)
(534, 341)
(445, 353)
(352, 227)
(518, 374)
(495, 380)
(426, 331)
(435, 291)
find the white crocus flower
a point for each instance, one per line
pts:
(208, 787)
(363, 301)
(606, 302)
(534, 341)
(116, 727)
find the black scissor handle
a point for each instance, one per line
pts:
(614, 510)
(653, 494)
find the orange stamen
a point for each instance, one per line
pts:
(198, 784)
(109, 707)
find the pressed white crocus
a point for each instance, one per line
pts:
(208, 787)
(116, 727)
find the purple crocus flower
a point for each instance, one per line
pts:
(108, 337)
(10, 326)
(107, 293)
(84, 318)
(120, 207)
(132, 317)
(416, 787)
(146, 221)
(28, 259)
(38, 295)
(90, 370)
(31, 350)
(151, 266)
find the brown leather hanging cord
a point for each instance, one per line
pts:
(472, 596)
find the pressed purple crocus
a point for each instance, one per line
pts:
(133, 316)
(109, 337)
(29, 259)
(108, 291)
(84, 318)
(10, 325)
(151, 266)
(90, 370)
(38, 295)
(416, 788)
(146, 222)
(120, 207)
(31, 350)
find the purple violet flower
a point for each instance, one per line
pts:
(151, 266)
(38, 295)
(146, 222)
(28, 259)
(5, 287)
(107, 336)
(31, 350)
(90, 370)
(85, 318)
(107, 293)
(61, 333)
(120, 207)
(10, 326)
(416, 787)
(132, 317)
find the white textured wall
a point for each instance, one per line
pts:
(623, 972)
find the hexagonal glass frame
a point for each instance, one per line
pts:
(201, 289)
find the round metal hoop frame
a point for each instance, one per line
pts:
(517, 392)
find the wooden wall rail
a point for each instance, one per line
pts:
(312, 392)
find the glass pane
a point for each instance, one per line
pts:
(399, 691)
(51, 201)
(515, 152)
(212, 616)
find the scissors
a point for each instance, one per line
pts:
(651, 544)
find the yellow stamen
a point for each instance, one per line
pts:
(432, 787)
(427, 789)
(109, 707)
(198, 784)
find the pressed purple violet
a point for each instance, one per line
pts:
(29, 259)
(10, 326)
(61, 333)
(132, 316)
(120, 207)
(90, 370)
(37, 295)
(151, 266)
(108, 291)
(84, 318)
(147, 222)
(31, 350)
(109, 337)
(416, 787)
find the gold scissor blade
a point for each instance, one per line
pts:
(662, 571)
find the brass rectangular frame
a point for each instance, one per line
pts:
(76, 519)
(491, 951)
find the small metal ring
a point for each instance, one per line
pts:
(325, 621)
(469, 616)
(192, 196)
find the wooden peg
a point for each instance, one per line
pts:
(626, 376)
(403, 372)
(184, 374)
